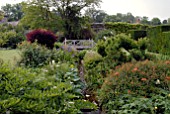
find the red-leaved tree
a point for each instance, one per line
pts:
(43, 37)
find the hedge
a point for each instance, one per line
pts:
(125, 27)
(159, 39)
(136, 34)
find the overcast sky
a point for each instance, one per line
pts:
(149, 8)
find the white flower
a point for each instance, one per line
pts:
(156, 107)
(54, 87)
(158, 81)
(87, 95)
(71, 102)
(53, 62)
(94, 103)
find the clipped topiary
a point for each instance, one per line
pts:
(43, 37)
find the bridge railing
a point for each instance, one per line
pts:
(80, 44)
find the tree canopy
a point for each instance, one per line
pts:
(13, 12)
(42, 13)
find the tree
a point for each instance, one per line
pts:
(13, 12)
(155, 21)
(165, 22)
(68, 10)
(129, 18)
(96, 16)
(145, 20)
(38, 15)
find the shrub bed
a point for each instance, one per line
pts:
(133, 82)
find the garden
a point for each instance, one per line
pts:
(126, 72)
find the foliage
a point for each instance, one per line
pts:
(90, 58)
(96, 16)
(30, 91)
(64, 71)
(34, 55)
(11, 57)
(136, 34)
(95, 71)
(42, 37)
(159, 39)
(13, 12)
(104, 34)
(67, 13)
(133, 82)
(156, 21)
(10, 36)
(128, 18)
(124, 27)
(1, 15)
(121, 48)
(39, 16)
(155, 56)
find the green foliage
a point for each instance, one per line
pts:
(155, 56)
(62, 72)
(13, 12)
(10, 36)
(1, 15)
(122, 48)
(39, 16)
(104, 33)
(156, 21)
(124, 27)
(34, 55)
(133, 82)
(32, 91)
(95, 70)
(159, 39)
(12, 57)
(136, 34)
(80, 55)
(91, 58)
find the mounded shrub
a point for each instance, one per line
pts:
(145, 79)
(34, 55)
(90, 58)
(122, 48)
(42, 37)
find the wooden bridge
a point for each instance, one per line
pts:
(80, 44)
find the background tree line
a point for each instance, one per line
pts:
(67, 16)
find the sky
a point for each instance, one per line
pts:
(149, 8)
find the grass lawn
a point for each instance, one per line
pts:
(10, 56)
